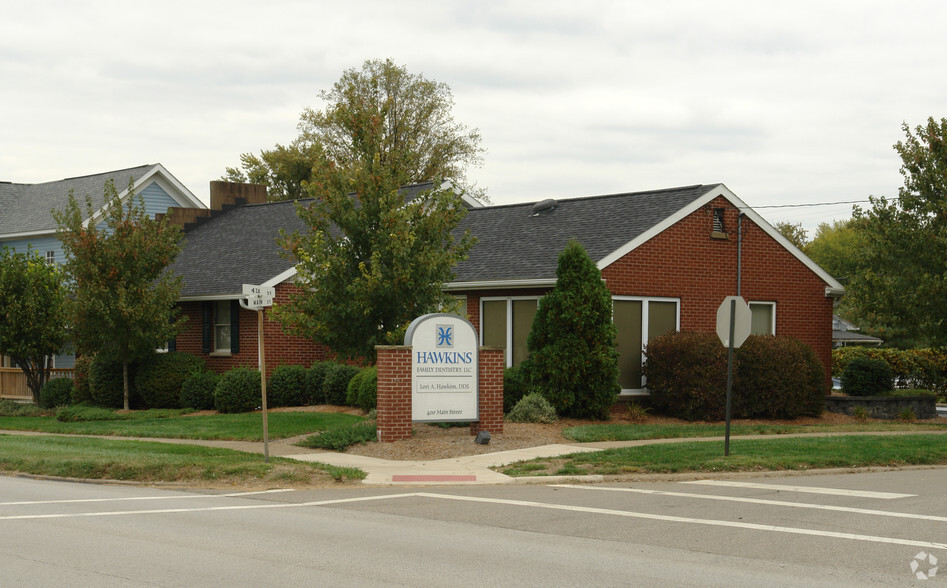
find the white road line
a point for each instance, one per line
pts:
(132, 498)
(864, 511)
(692, 521)
(809, 489)
(76, 515)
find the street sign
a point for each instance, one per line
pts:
(257, 297)
(741, 321)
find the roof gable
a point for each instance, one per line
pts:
(27, 207)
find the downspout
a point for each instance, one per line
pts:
(739, 251)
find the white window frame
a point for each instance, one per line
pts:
(50, 257)
(216, 349)
(772, 305)
(645, 325)
(508, 350)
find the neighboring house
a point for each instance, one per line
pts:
(26, 218)
(845, 333)
(669, 257)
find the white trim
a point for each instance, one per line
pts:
(163, 178)
(508, 349)
(722, 191)
(210, 298)
(497, 284)
(769, 303)
(16, 236)
(280, 278)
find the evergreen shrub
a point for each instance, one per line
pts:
(686, 374)
(56, 392)
(777, 378)
(197, 391)
(532, 408)
(514, 385)
(81, 392)
(161, 376)
(315, 381)
(106, 385)
(574, 361)
(287, 386)
(336, 382)
(238, 390)
(865, 376)
(367, 394)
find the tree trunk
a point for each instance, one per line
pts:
(125, 381)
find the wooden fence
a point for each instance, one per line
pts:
(13, 382)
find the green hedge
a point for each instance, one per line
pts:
(912, 368)
(336, 383)
(106, 385)
(161, 376)
(315, 381)
(867, 376)
(56, 392)
(773, 377)
(197, 391)
(238, 390)
(362, 391)
(287, 386)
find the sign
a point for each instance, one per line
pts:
(444, 367)
(257, 297)
(741, 321)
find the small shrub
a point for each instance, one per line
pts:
(514, 385)
(865, 376)
(81, 413)
(287, 386)
(366, 394)
(238, 391)
(338, 438)
(55, 393)
(315, 381)
(638, 413)
(106, 384)
(161, 376)
(197, 391)
(906, 415)
(351, 391)
(12, 408)
(337, 381)
(687, 375)
(777, 378)
(861, 414)
(532, 408)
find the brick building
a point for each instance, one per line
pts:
(669, 257)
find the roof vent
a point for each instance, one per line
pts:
(544, 207)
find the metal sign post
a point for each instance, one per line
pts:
(257, 298)
(733, 327)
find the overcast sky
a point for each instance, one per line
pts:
(785, 103)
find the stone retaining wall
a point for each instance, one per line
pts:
(884, 407)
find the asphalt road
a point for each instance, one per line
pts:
(826, 530)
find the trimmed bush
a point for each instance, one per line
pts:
(687, 375)
(336, 382)
(864, 376)
(913, 368)
(287, 386)
(106, 386)
(238, 391)
(514, 385)
(351, 391)
(161, 376)
(362, 391)
(197, 391)
(532, 408)
(56, 392)
(315, 381)
(777, 378)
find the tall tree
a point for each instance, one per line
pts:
(376, 255)
(32, 319)
(416, 131)
(573, 359)
(900, 290)
(122, 304)
(794, 232)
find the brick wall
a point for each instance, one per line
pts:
(281, 348)
(490, 383)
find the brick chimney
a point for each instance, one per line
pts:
(223, 197)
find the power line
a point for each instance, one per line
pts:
(812, 204)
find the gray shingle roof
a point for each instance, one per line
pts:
(515, 244)
(239, 247)
(26, 207)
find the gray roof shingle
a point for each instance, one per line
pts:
(239, 247)
(26, 207)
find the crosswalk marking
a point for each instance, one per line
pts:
(807, 489)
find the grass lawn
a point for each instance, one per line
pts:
(174, 425)
(148, 462)
(746, 455)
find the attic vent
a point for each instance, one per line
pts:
(544, 207)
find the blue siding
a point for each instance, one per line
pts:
(156, 200)
(40, 244)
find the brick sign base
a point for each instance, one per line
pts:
(394, 392)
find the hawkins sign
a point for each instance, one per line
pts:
(443, 368)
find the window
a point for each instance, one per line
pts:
(637, 321)
(719, 230)
(505, 323)
(222, 326)
(762, 318)
(50, 257)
